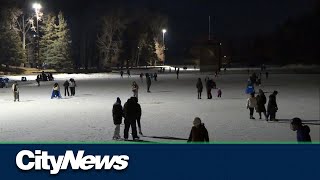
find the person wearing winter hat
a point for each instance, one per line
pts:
(117, 114)
(198, 132)
(303, 131)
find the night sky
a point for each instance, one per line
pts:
(188, 19)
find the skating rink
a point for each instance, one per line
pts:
(167, 112)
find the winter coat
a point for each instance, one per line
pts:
(15, 88)
(56, 88)
(73, 84)
(199, 86)
(117, 113)
(130, 110)
(148, 81)
(261, 101)
(66, 84)
(209, 84)
(199, 134)
(135, 88)
(251, 102)
(272, 104)
(303, 134)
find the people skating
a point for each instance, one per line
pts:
(251, 104)
(121, 74)
(303, 131)
(272, 107)
(219, 92)
(138, 114)
(66, 88)
(130, 118)
(261, 101)
(155, 76)
(209, 86)
(199, 88)
(128, 72)
(56, 91)
(135, 89)
(148, 83)
(72, 87)
(117, 114)
(15, 91)
(199, 132)
(178, 71)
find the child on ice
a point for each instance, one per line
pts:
(56, 91)
(219, 93)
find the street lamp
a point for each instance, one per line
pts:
(37, 7)
(164, 47)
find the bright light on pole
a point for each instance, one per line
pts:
(164, 46)
(37, 7)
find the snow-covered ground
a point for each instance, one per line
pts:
(167, 112)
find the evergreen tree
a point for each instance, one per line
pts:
(11, 51)
(55, 43)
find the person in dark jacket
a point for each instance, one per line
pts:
(148, 83)
(155, 76)
(199, 87)
(261, 101)
(272, 106)
(117, 114)
(121, 74)
(128, 72)
(138, 114)
(130, 118)
(198, 132)
(66, 88)
(209, 84)
(303, 131)
(177, 72)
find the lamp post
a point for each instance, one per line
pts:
(164, 46)
(37, 7)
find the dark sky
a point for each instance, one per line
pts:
(188, 19)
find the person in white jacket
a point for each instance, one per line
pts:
(15, 90)
(251, 104)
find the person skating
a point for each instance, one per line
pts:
(130, 118)
(117, 114)
(128, 72)
(38, 80)
(199, 87)
(66, 88)
(261, 101)
(135, 89)
(155, 76)
(303, 131)
(209, 84)
(15, 90)
(251, 104)
(138, 114)
(272, 107)
(72, 87)
(199, 132)
(219, 93)
(178, 71)
(121, 74)
(56, 91)
(148, 83)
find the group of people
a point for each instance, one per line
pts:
(210, 84)
(258, 102)
(131, 112)
(67, 84)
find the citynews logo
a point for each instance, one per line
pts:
(40, 160)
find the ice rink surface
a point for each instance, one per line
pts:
(167, 112)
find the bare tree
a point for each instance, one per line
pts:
(109, 38)
(22, 24)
